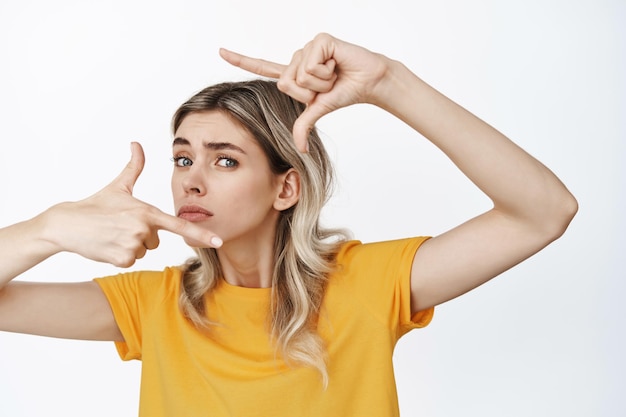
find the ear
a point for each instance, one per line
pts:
(289, 190)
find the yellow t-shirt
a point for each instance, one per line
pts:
(236, 372)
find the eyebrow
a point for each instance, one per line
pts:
(215, 146)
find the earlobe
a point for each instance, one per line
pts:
(289, 192)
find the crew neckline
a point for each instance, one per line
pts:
(247, 292)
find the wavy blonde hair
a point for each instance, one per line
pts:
(304, 252)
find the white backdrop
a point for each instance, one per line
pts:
(79, 80)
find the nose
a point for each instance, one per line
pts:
(193, 182)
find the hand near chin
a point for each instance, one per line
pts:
(326, 74)
(113, 226)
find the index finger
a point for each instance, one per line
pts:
(254, 65)
(200, 236)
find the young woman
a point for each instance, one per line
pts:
(277, 315)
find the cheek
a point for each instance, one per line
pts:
(177, 191)
(262, 190)
(251, 194)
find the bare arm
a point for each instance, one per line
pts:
(531, 207)
(66, 310)
(110, 226)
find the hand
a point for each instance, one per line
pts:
(113, 226)
(326, 74)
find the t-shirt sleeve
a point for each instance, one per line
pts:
(380, 275)
(132, 296)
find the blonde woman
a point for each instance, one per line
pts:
(277, 315)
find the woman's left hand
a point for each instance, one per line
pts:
(326, 74)
(531, 207)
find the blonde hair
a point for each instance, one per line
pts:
(304, 251)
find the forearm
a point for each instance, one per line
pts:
(517, 183)
(66, 310)
(23, 246)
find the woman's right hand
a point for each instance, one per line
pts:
(113, 226)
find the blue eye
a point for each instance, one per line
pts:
(182, 161)
(227, 162)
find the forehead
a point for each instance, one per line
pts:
(209, 126)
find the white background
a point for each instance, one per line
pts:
(80, 79)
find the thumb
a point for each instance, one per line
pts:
(126, 180)
(305, 123)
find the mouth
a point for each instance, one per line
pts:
(194, 213)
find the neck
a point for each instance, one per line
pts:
(248, 265)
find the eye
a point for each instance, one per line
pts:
(182, 161)
(226, 161)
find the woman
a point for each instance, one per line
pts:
(277, 316)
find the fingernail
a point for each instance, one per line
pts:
(216, 242)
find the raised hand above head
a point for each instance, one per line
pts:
(531, 207)
(327, 74)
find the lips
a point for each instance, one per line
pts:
(194, 213)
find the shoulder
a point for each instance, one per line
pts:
(355, 252)
(376, 264)
(143, 281)
(373, 281)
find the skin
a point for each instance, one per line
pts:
(531, 207)
(220, 168)
(110, 226)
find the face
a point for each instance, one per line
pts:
(222, 179)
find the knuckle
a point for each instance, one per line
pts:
(303, 78)
(308, 69)
(283, 85)
(322, 37)
(143, 231)
(141, 253)
(296, 55)
(124, 260)
(152, 243)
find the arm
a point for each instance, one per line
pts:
(67, 310)
(531, 207)
(110, 226)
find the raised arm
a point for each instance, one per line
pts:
(111, 226)
(531, 207)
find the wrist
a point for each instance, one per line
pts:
(47, 229)
(395, 82)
